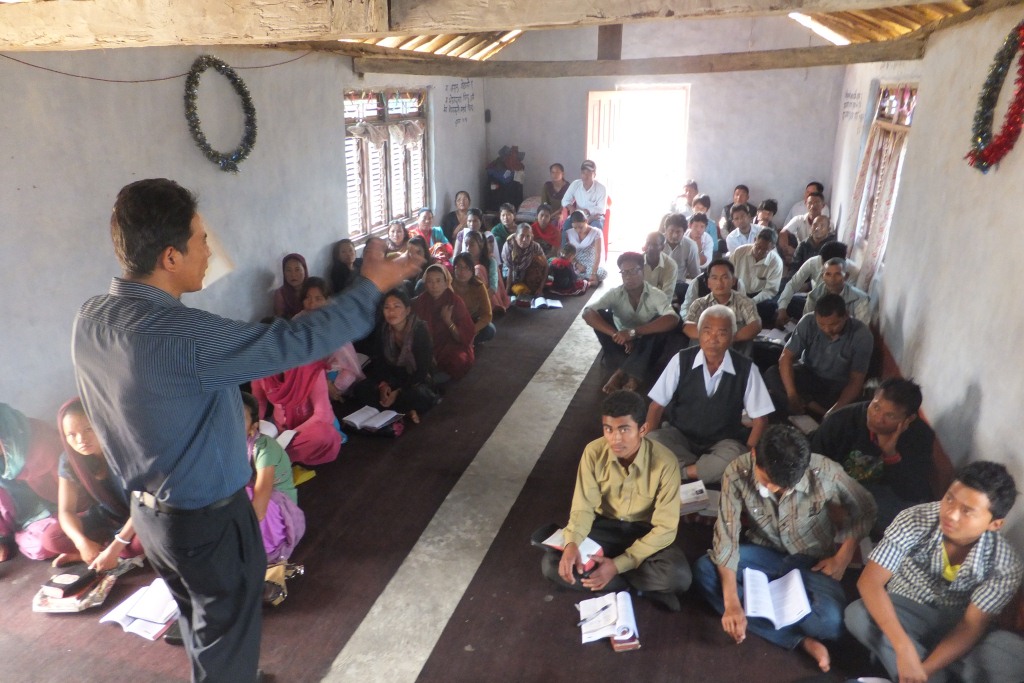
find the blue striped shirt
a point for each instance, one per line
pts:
(912, 550)
(159, 381)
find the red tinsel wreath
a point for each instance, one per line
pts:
(987, 151)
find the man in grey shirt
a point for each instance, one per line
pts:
(824, 363)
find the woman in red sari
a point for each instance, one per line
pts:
(301, 402)
(451, 326)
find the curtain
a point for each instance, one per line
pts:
(867, 228)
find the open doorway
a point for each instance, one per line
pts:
(638, 140)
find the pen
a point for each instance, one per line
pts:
(585, 620)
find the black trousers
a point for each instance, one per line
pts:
(665, 571)
(647, 350)
(214, 565)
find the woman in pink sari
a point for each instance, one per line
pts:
(29, 450)
(301, 402)
(451, 326)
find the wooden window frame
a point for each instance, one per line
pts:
(396, 187)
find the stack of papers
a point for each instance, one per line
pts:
(147, 613)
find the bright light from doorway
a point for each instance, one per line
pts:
(823, 31)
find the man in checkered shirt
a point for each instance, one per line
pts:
(935, 582)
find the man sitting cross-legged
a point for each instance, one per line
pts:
(791, 498)
(939, 576)
(631, 322)
(721, 278)
(824, 364)
(704, 392)
(627, 500)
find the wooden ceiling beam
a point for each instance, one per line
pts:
(899, 49)
(461, 16)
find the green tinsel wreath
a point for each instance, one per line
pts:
(229, 161)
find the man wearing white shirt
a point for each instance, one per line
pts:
(684, 203)
(743, 232)
(791, 302)
(800, 226)
(801, 206)
(698, 233)
(702, 394)
(588, 195)
(759, 269)
(683, 251)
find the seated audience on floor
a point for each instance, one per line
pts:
(287, 297)
(698, 233)
(589, 245)
(546, 232)
(92, 508)
(759, 269)
(554, 189)
(825, 362)
(473, 293)
(398, 238)
(702, 204)
(793, 297)
(506, 226)
(698, 402)
(884, 445)
(272, 489)
(721, 279)
(400, 373)
(659, 268)
(563, 279)
(627, 501)
(425, 228)
(447, 318)
(302, 403)
(765, 216)
(30, 451)
(343, 367)
(800, 226)
(743, 231)
(475, 223)
(784, 492)
(683, 251)
(454, 221)
(683, 203)
(934, 584)
(418, 248)
(821, 234)
(488, 271)
(801, 206)
(345, 266)
(587, 196)
(525, 266)
(740, 197)
(631, 322)
(833, 281)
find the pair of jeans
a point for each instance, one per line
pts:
(825, 622)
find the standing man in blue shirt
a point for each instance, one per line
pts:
(160, 382)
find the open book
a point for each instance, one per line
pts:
(609, 616)
(589, 548)
(782, 601)
(542, 302)
(147, 612)
(371, 419)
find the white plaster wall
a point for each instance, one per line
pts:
(70, 144)
(949, 310)
(770, 130)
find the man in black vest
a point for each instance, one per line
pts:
(702, 394)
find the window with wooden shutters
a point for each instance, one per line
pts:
(385, 158)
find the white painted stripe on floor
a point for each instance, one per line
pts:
(398, 634)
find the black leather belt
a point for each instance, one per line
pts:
(150, 501)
